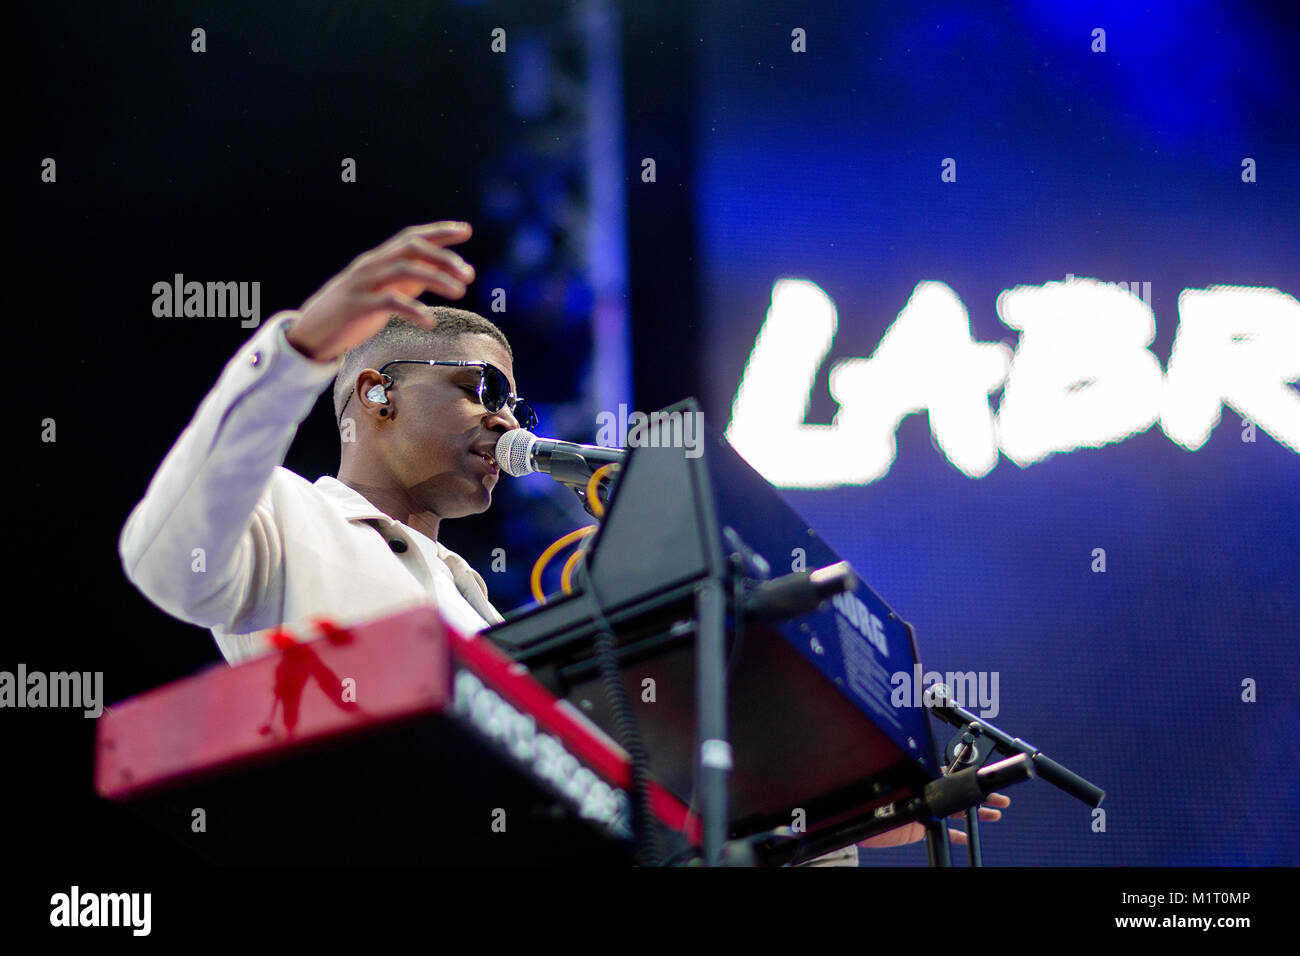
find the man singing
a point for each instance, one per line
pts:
(228, 539)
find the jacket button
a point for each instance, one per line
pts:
(398, 545)
(256, 360)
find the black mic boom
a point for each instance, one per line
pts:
(792, 595)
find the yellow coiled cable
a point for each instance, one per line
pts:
(566, 575)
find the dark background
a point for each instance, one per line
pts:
(225, 166)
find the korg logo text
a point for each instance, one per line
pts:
(866, 623)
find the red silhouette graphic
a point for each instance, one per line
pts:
(299, 664)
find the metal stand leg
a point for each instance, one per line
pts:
(973, 836)
(711, 706)
(936, 843)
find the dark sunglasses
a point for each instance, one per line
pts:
(493, 390)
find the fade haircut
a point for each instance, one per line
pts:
(402, 339)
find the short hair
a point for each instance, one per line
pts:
(401, 338)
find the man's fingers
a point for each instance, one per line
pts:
(416, 249)
(448, 231)
(412, 278)
(400, 304)
(419, 247)
(957, 837)
(998, 800)
(985, 814)
(907, 833)
(434, 234)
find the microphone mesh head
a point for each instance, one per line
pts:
(514, 452)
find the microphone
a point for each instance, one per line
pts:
(939, 699)
(519, 452)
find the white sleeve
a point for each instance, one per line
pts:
(204, 506)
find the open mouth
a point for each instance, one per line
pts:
(484, 456)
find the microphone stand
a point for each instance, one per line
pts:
(963, 750)
(973, 745)
(714, 749)
(937, 800)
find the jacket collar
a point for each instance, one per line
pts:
(354, 505)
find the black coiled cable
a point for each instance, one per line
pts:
(644, 832)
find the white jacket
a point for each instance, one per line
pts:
(228, 539)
